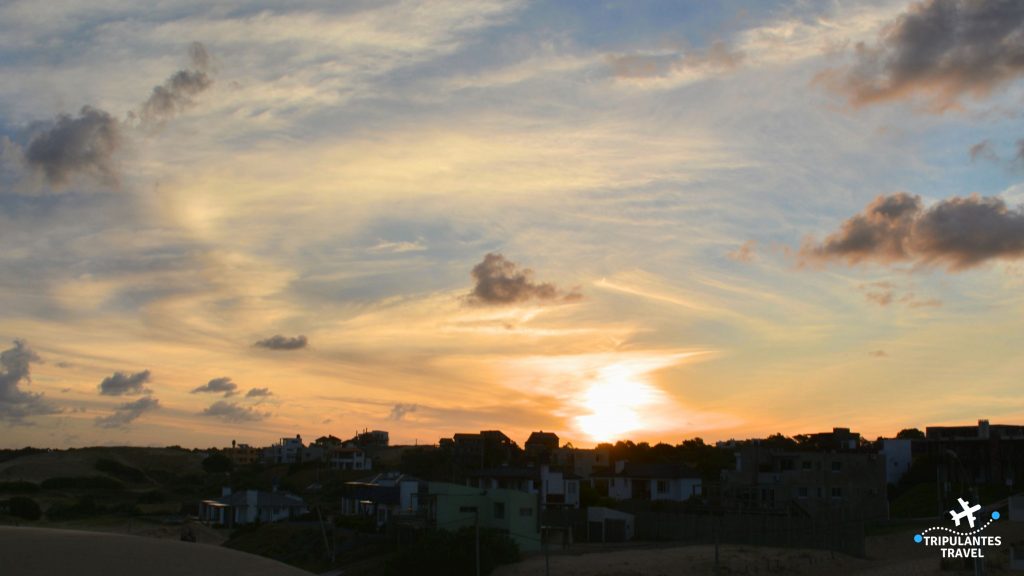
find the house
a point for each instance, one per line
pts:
(370, 439)
(382, 497)
(607, 525)
(251, 506)
(851, 484)
(286, 451)
(243, 454)
(581, 462)
(648, 481)
(554, 488)
(541, 445)
(349, 457)
(986, 454)
(477, 451)
(452, 506)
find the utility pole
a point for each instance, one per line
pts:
(477, 511)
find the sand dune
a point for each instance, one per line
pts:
(39, 551)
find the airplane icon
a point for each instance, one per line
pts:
(968, 511)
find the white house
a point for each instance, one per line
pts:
(349, 458)
(382, 496)
(556, 489)
(640, 481)
(251, 506)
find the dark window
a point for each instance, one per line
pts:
(806, 465)
(801, 492)
(837, 466)
(499, 510)
(837, 492)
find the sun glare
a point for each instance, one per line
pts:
(614, 403)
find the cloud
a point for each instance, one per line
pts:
(885, 293)
(399, 247)
(941, 49)
(399, 411)
(745, 253)
(878, 354)
(718, 57)
(232, 412)
(69, 145)
(258, 393)
(501, 281)
(218, 385)
(984, 150)
(125, 414)
(176, 94)
(958, 233)
(15, 403)
(124, 384)
(279, 342)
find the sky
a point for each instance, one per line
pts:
(639, 219)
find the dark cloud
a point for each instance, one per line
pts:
(958, 233)
(984, 150)
(82, 144)
(232, 412)
(15, 403)
(718, 56)
(279, 342)
(399, 411)
(218, 386)
(125, 414)
(177, 93)
(940, 49)
(125, 384)
(258, 393)
(501, 281)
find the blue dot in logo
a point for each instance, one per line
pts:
(995, 515)
(918, 538)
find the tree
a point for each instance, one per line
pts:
(217, 463)
(910, 434)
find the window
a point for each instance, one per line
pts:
(662, 487)
(805, 465)
(499, 510)
(837, 466)
(801, 492)
(570, 487)
(526, 511)
(837, 492)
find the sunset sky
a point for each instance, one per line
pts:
(644, 220)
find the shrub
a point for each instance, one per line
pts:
(119, 470)
(19, 487)
(24, 508)
(81, 483)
